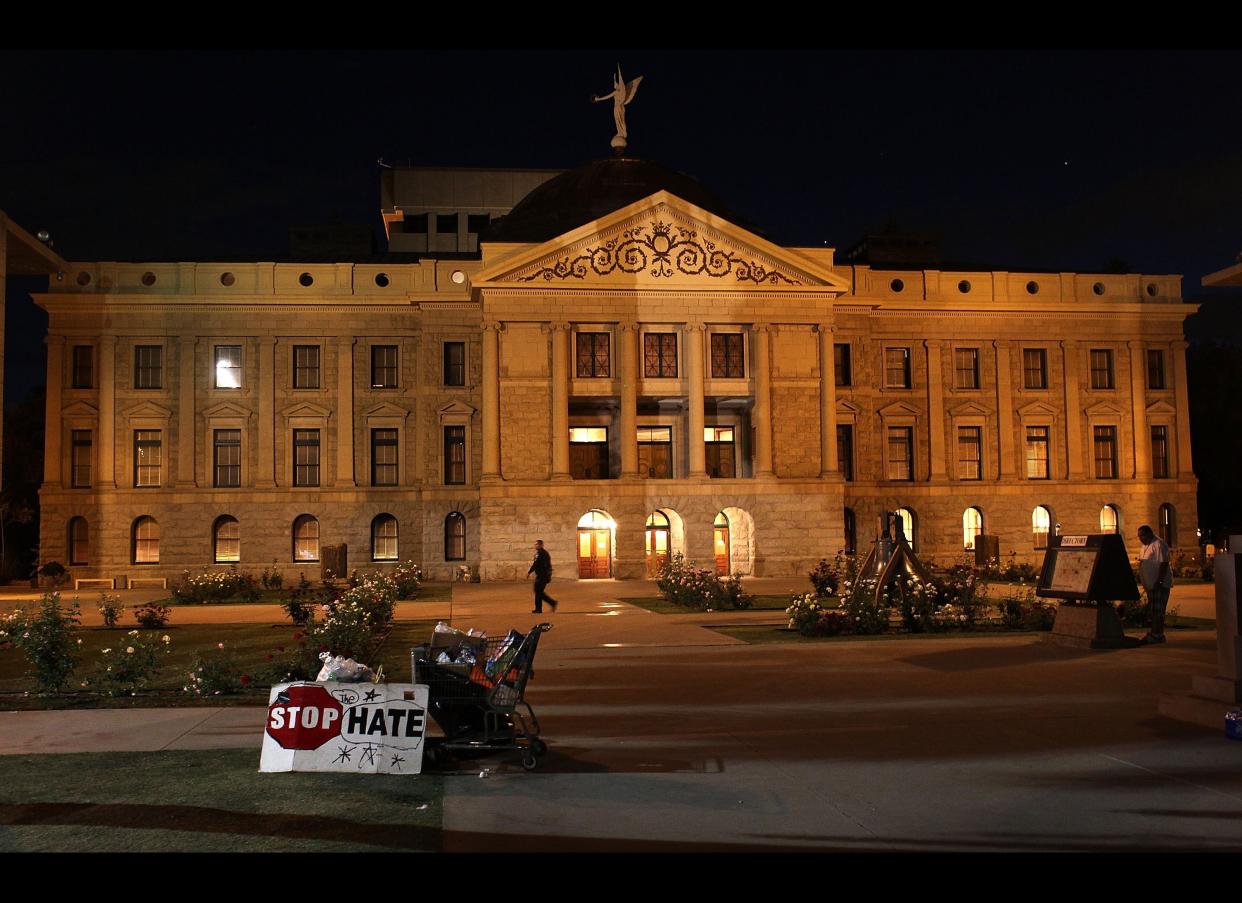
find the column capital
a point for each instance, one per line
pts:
(187, 341)
(1135, 344)
(1005, 344)
(933, 343)
(554, 326)
(696, 327)
(763, 327)
(825, 328)
(627, 326)
(107, 340)
(269, 340)
(493, 326)
(1181, 345)
(346, 340)
(1069, 344)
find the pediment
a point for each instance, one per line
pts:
(455, 409)
(1037, 409)
(1103, 409)
(661, 241)
(306, 409)
(969, 409)
(899, 409)
(386, 409)
(79, 409)
(1161, 407)
(149, 410)
(847, 408)
(227, 409)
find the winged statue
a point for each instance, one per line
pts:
(622, 93)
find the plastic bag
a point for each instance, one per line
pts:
(345, 670)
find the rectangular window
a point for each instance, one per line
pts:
(588, 453)
(655, 452)
(966, 368)
(383, 366)
(969, 453)
(1155, 369)
(660, 355)
(81, 460)
(1037, 453)
(83, 366)
(897, 368)
(148, 366)
(728, 355)
(593, 357)
(845, 451)
(306, 366)
(384, 457)
(719, 452)
(1101, 368)
(446, 223)
(900, 453)
(228, 366)
(454, 363)
(306, 457)
(842, 372)
(1106, 452)
(227, 445)
(1159, 452)
(454, 455)
(147, 458)
(1034, 368)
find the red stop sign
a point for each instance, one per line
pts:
(308, 720)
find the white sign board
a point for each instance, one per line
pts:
(345, 727)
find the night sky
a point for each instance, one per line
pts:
(1080, 160)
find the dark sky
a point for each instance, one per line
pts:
(1030, 159)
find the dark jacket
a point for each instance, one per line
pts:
(542, 567)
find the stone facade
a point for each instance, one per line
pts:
(753, 329)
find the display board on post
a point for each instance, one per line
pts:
(1089, 572)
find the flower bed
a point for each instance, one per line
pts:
(699, 588)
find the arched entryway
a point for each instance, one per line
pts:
(733, 541)
(659, 542)
(597, 533)
(720, 543)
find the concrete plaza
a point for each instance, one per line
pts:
(665, 735)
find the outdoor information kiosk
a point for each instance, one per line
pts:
(1090, 572)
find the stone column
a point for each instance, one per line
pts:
(560, 401)
(1006, 464)
(491, 401)
(345, 411)
(1138, 407)
(1073, 411)
(1185, 466)
(827, 402)
(627, 334)
(265, 459)
(935, 409)
(186, 346)
(107, 413)
(763, 401)
(695, 333)
(52, 463)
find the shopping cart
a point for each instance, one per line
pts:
(477, 704)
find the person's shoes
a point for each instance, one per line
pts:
(536, 611)
(553, 604)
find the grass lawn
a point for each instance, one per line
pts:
(209, 801)
(431, 592)
(762, 603)
(249, 643)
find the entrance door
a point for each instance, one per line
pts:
(594, 554)
(657, 550)
(721, 546)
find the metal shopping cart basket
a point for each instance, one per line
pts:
(478, 704)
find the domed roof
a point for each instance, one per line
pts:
(594, 190)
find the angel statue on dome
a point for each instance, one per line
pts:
(622, 93)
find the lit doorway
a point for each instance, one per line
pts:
(596, 530)
(720, 543)
(658, 536)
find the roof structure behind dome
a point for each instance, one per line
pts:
(594, 190)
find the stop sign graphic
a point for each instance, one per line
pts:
(308, 720)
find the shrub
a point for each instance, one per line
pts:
(270, 578)
(54, 574)
(45, 637)
(409, 580)
(826, 576)
(111, 609)
(215, 672)
(810, 618)
(215, 586)
(917, 601)
(297, 660)
(683, 584)
(376, 596)
(863, 615)
(347, 631)
(129, 666)
(152, 615)
(298, 611)
(1023, 611)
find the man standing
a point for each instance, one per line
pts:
(1157, 579)
(542, 569)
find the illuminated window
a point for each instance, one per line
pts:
(969, 453)
(148, 450)
(146, 541)
(227, 539)
(588, 453)
(907, 525)
(718, 452)
(1105, 452)
(384, 538)
(655, 452)
(1110, 519)
(228, 366)
(1041, 526)
(1037, 452)
(306, 538)
(972, 526)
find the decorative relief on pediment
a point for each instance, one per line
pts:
(660, 250)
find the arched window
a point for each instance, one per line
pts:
(851, 536)
(79, 541)
(972, 526)
(306, 538)
(908, 526)
(226, 539)
(1168, 524)
(1110, 519)
(384, 538)
(146, 545)
(1041, 526)
(455, 537)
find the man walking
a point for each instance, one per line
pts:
(542, 569)
(1157, 580)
